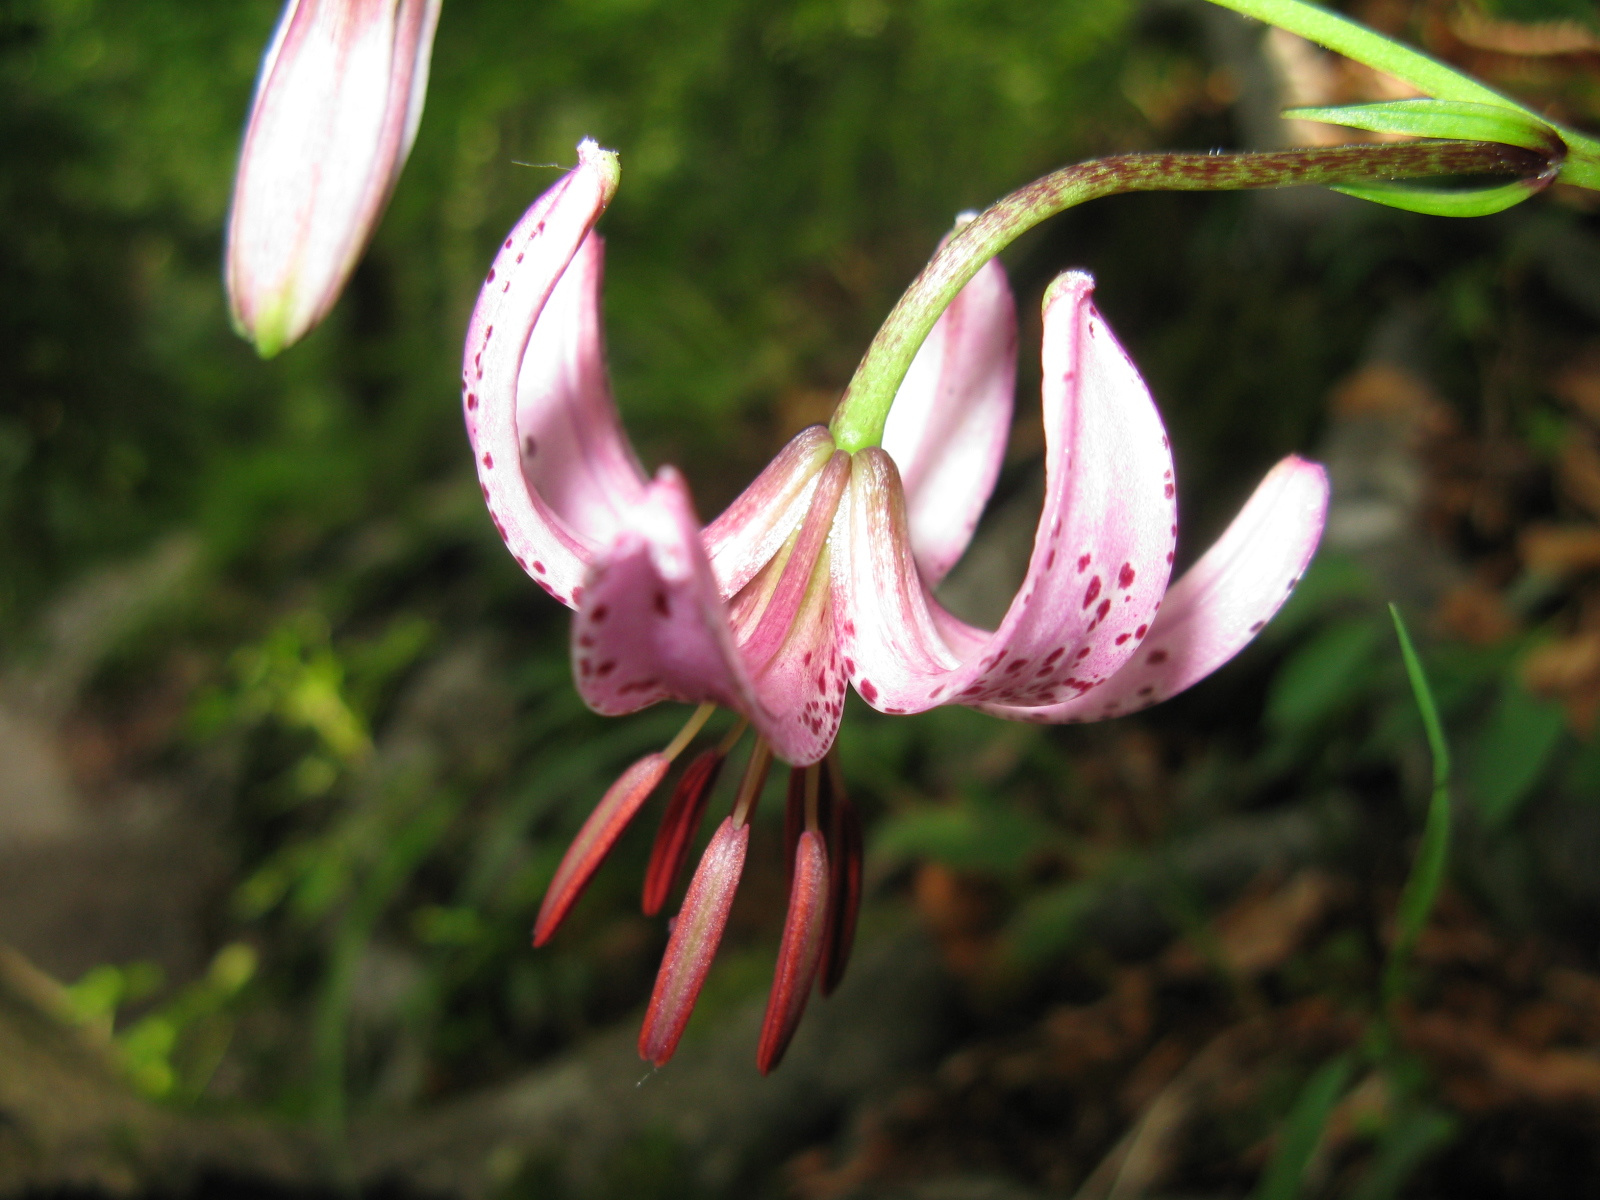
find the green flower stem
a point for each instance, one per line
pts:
(858, 421)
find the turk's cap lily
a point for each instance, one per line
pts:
(336, 109)
(820, 575)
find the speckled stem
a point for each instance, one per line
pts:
(858, 421)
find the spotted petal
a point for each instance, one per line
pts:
(574, 453)
(948, 427)
(526, 271)
(1101, 556)
(652, 626)
(1220, 603)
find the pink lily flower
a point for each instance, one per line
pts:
(336, 108)
(821, 574)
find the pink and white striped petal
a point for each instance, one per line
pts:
(573, 451)
(652, 626)
(1221, 602)
(526, 271)
(336, 109)
(1101, 556)
(947, 430)
(747, 533)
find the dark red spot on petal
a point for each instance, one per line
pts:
(600, 613)
(1122, 638)
(472, 401)
(1141, 631)
(1168, 490)
(488, 461)
(1258, 627)
(491, 276)
(529, 446)
(606, 668)
(538, 566)
(1092, 592)
(662, 604)
(868, 690)
(1083, 564)
(1157, 656)
(1125, 576)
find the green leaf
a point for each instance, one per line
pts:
(1433, 854)
(1408, 1141)
(1443, 202)
(1051, 922)
(1302, 1130)
(1367, 46)
(1344, 36)
(1513, 752)
(1463, 119)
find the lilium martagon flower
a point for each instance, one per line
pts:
(336, 109)
(822, 575)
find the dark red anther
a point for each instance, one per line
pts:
(800, 951)
(844, 883)
(678, 823)
(694, 940)
(594, 841)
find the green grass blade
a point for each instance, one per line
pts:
(1427, 872)
(1302, 1130)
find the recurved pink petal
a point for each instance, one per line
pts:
(652, 626)
(573, 451)
(594, 841)
(948, 427)
(1101, 556)
(693, 944)
(1221, 602)
(798, 953)
(749, 531)
(336, 109)
(526, 270)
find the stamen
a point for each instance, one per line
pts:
(755, 778)
(844, 879)
(799, 952)
(799, 812)
(610, 817)
(694, 940)
(688, 732)
(594, 841)
(678, 823)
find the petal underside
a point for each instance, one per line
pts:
(1219, 604)
(573, 451)
(1101, 558)
(526, 271)
(948, 427)
(652, 626)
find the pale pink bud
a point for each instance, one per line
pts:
(335, 112)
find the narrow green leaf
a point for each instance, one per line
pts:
(1463, 119)
(1515, 748)
(1344, 36)
(1356, 41)
(1442, 202)
(1302, 1130)
(1427, 872)
(1402, 1149)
